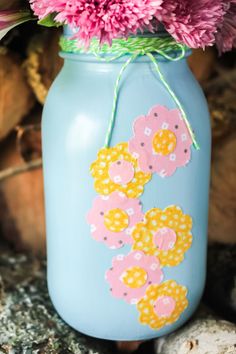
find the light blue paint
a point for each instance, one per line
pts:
(75, 120)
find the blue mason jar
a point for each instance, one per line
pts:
(126, 223)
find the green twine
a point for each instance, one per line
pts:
(134, 46)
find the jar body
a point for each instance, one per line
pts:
(75, 121)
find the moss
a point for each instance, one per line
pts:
(28, 321)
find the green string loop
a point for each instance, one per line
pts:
(164, 47)
(115, 98)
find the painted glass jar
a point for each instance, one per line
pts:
(126, 224)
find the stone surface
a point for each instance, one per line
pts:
(202, 336)
(28, 322)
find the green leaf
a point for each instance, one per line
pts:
(49, 21)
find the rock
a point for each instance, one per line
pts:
(16, 99)
(28, 322)
(220, 292)
(201, 336)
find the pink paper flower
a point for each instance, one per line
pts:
(104, 19)
(161, 141)
(193, 23)
(130, 275)
(226, 35)
(113, 217)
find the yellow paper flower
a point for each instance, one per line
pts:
(165, 234)
(162, 304)
(117, 170)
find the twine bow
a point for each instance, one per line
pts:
(165, 47)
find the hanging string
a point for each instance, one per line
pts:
(165, 47)
(114, 106)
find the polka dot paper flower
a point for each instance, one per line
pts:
(130, 275)
(113, 217)
(161, 141)
(165, 234)
(163, 304)
(116, 170)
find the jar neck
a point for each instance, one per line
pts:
(146, 45)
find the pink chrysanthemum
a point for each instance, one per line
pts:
(43, 8)
(13, 13)
(103, 19)
(226, 35)
(193, 23)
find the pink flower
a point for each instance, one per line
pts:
(104, 19)
(192, 22)
(226, 35)
(130, 275)
(161, 141)
(13, 13)
(113, 217)
(43, 8)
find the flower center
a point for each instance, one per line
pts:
(134, 277)
(164, 142)
(116, 220)
(121, 172)
(164, 306)
(165, 238)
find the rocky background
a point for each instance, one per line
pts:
(28, 322)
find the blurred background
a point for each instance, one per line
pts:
(29, 62)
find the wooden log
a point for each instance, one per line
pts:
(222, 215)
(202, 63)
(21, 200)
(16, 98)
(43, 63)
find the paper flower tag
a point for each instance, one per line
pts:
(161, 141)
(162, 304)
(117, 170)
(165, 234)
(130, 275)
(113, 217)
